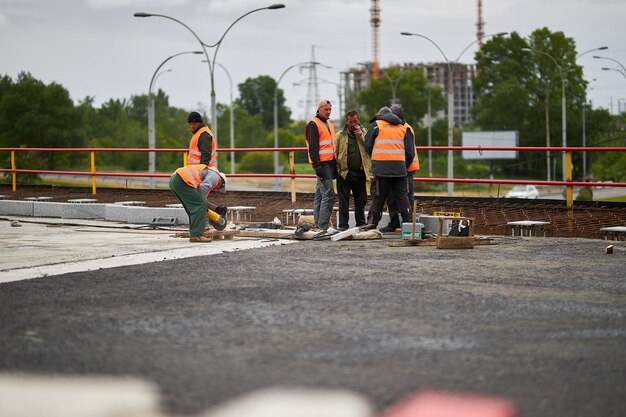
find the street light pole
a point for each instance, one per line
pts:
(211, 63)
(562, 73)
(394, 85)
(614, 60)
(450, 100)
(563, 103)
(615, 69)
(151, 124)
(450, 110)
(151, 128)
(232, 121)
(276, 112)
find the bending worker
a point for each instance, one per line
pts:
(193, 184)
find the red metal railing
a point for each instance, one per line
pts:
(93, 173)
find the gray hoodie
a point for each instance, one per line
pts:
(389, 168)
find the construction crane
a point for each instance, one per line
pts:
(480, 25)
(375, 22)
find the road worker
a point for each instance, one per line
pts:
(320, 140)
(193, 184)
(392, 151)
(202, 146)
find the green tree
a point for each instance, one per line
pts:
(33, 114)
(256, 96)
(520, 90)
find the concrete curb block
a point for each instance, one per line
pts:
(97, 211)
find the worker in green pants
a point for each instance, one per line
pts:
(193, 184)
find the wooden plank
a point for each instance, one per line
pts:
(455, 242)
(433, 242)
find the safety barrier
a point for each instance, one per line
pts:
(93, 173)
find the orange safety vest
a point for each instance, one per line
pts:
(389, 144)
(415, 164)
(326, 139)
(191, 174)
(193, 156)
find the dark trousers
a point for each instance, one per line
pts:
(384, 186)
(355, 183)
(392, 204)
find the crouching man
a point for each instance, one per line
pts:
(193, 184)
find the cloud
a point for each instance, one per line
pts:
(3, 21)
(114, 4)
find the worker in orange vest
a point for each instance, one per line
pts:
(202, 146)
(392, 150)
(193, 184)
(392, 203)
(320, 140)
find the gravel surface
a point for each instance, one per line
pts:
(538, 320)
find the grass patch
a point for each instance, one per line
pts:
(618, 199)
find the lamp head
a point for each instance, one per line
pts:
(406, 33)
(602, 48)
(276, 6)
(501, 33)
(197, 52)
(141, 14)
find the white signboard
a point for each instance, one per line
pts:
(508, 138)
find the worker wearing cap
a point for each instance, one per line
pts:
(202, 147)
(193, 184)
(392, 150)
(320, 140)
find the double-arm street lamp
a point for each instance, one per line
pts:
(562, 73)
(563, 103)
(216, 45)
(151, 128)
(450, 99)
(232, 119)
(623, 69)
(276, 108)
(394, 85)
(615, 69)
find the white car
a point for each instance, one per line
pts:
(523, 191)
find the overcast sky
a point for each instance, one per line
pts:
(97, 48)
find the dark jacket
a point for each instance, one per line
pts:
(389, 168)
(327, 169)
(205, 144)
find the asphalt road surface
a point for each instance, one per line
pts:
(540, 321)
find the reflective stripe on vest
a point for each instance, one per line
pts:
(326, 140)
(194, 152)
(191, 174)
(415, 164)
(389, 144)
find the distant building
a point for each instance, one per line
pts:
(464, 97)
(356, 79)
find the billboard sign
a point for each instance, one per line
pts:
(509, 138)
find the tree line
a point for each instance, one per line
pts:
(516, 89)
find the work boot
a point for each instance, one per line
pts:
(200, 239)
(388, 229)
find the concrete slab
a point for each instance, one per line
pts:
(51, 246)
